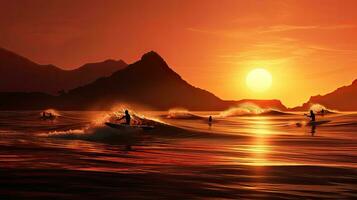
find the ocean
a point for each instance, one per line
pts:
(240, 155)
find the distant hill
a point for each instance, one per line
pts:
(342, 99)
(149, 82)
(19, 74)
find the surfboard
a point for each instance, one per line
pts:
(316, 123)
(48, 117)
(123, 126)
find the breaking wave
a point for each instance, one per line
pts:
(98, 131)
(181, 114)
(321, 109)
(249, 109)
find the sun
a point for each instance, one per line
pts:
(259, 80)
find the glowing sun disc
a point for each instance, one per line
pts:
(259, 80)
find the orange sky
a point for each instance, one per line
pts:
(310, 47)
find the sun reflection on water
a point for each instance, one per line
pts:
(259, 147)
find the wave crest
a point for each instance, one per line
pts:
(249, 109)
(321, 109)
(98, 131)
(181, 114)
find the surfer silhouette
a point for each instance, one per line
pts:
(312, 116)
(127, 117)
(210, 119)
(322, 112)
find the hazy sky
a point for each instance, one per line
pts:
(310, 47)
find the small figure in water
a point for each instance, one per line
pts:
(210, 119)
(312, 116)
(322, 112)
(43, 114)
(127, 117)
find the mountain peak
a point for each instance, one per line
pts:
(152, 63)
(151, 54)
(150, 82)
(152, 57)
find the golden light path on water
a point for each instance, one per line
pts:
(259, 147)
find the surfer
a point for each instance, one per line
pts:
(312, 116)
(210, 121)
(127, 117)
(322, 112)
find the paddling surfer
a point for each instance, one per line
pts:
(127, 117)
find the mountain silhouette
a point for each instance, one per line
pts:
(149, 82)
(342, 99)
(19, 74)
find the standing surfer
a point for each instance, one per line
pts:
(312, 116)
(127, 117)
